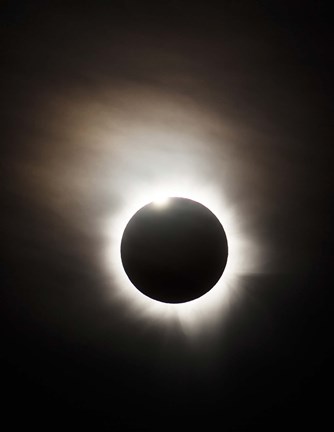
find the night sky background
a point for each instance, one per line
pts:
(256, 79)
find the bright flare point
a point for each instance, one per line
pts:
(161, 201)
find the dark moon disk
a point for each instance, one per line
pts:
(174, 253)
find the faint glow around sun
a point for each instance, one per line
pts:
(141, 144)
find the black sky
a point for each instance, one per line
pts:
(261, 71)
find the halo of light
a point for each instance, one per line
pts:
(196, 313)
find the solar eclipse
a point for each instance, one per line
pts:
(174, 250)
